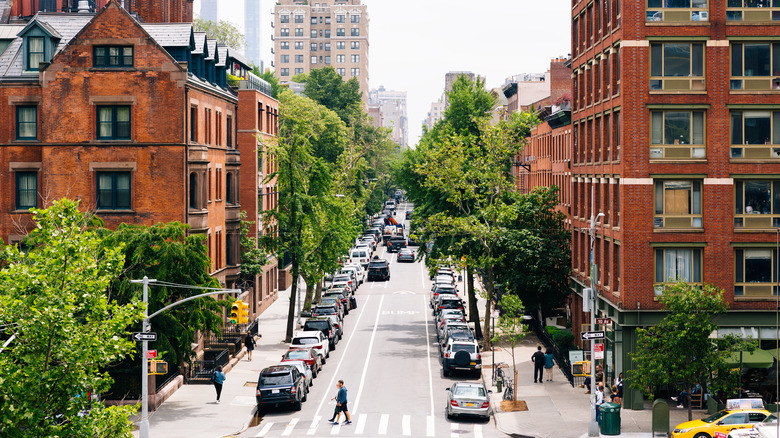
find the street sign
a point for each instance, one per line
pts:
(599, 351)
(144, 336)
(151, 354)
(587, 336)
(604, 321)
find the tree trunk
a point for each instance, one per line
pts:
(309, 293)
(473, 308)
(486, 342)
(318, 292)
(293, 294)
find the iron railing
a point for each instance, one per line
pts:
(202, 369)
(560, 358)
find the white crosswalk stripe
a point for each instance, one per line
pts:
(383, 420)
(314, 423)
(265, 429)
(361, 424)
(406, 423)
(288, 430)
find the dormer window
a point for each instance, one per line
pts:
(112, 56)
(35, 52)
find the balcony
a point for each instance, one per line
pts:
(232, 212)
(252, 82)
(233, 157)
(197, 154)
(198, 219)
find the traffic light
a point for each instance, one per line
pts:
(239, 313)
(158, 367)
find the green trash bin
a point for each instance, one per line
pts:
(610, 419)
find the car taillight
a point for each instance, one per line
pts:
(454, 402)
(447, 354)
(318, 347)
(441, 307)
(294, 390)
(479, 356)
(486, 404)
(259, 393)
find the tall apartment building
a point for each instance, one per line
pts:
(435, 114)
(449, 79)
(209, 10)
(392, 105)
(313, 34)
(676, 140)
(253, 32)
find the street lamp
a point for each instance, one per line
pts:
(593, 426)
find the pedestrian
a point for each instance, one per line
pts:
(549, 363)
(218, 378)
(599, 378)
(249, 343)
(599, 400)
(615, 396)
(538, 359)
(341, 403)
(619, 384)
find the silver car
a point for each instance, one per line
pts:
(304, 368)
(468, 399)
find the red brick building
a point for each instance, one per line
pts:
(149, 11)
(137, 121)
(676, 140)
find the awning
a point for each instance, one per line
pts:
(752, 359)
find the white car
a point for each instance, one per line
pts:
(345, 278)
(342, 284)
(360, 255)
(358, 271)
(313, 339)
(303, 367)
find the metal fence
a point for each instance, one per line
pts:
(202, 369)
(561, 357)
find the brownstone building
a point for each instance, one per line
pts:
(138, 121)
(149, 11)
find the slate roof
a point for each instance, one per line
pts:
(200, 40)
(222, 52)
(169, 34)
(9, 31)
(212, 45)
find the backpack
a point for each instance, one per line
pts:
(214, 376)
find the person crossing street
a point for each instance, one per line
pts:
(341, 403)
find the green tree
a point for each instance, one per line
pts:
(253, 258)
(224, 32)
(511, 328)
(679, 351)
(329, 89)
(66, 330)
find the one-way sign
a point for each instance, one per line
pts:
(144, 336)
(586, 336)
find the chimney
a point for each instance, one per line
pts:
(83, 6)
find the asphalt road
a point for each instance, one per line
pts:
(389, 362)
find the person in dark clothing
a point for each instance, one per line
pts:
(218, 378)
(249, 343)
(341, 403)
(538, 359)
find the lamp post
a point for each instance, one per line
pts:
(593, 426)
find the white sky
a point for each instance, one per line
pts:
(413, 43)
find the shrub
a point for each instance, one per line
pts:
(551, 329)
(564, 339)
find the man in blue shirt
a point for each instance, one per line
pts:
(341, 403)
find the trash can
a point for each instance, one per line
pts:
(610, 419)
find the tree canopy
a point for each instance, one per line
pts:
(328, 88)
(223, 31)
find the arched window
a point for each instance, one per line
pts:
(194, 190)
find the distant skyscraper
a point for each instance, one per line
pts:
(253, 32)
(209, 10)
(392, 108)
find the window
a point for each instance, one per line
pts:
(229, 126)
(113, 190)
(677, 10)
(677, 204)
(284, 18)
(341, 32)
(752, 10)
(299, 59)
(755, 272)
(327, 20)
(354, 32)
(299, 32)
(26, 190)
(757, 204)
(755, 66)
(299, 45)
(340, 19)
(674, 132)
(672, 265)
(284, 72)
(285, 32)
(341, 71)
(355, 71)
(327, 59)
(327, 47)
(194, 192)
(284, 45)
(113, 122)
(755, 134)
(284, 58)
(313, 47)
(341, 45)
(229, 187)
(313, 34)
(299, 19)
(313, 20)
(193, 124)
(327, 33)
(313, 59)
(112, 56)
(26, 122)
(677, 66)
(340, 58)
(355, 58)
(298, 71)
(354, 45)
(35, 52)
(354, 18)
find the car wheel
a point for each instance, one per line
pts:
(298, 405)
(305, 395)
(701, 435)
(313, 374)
(323, 361)
(332, 345)
(449, 415)
(445, 372)
(327, 354)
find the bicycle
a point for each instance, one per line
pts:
(498, 373)
(509, 389)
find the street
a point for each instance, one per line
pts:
(389, 362)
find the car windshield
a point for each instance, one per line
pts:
(715, 417)
(319, 325)
(328, 302)
(334, 295)
(298, 354)
(324, 311)
(471, 348)
(446, 290)
(470, 391)
(377, 264)
(305, 341)
(450, 304)
(770, 419)
(276, 379)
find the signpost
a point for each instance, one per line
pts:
(145, 336)
(599, 351)
(587, 336)
(151, 354)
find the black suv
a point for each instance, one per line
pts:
(280, 384)
(325, 325)
(378, 270)
(394, 244)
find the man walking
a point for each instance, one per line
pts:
(341, 403)
(538, 360)
(249, 343)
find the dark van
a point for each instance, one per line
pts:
(378, 270)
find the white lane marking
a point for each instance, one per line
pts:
(454, 430)
(265, 429)
(314, 425)
(361, 424)
(428, 354)
(288, 430)
(335, 429)
(343, 355)
(477, 431)
(383, 420)
(368, 355)
(406, 425)
(429, 426)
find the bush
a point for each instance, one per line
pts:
(564, 339)
(551, 329)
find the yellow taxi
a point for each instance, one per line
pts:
(720, 423)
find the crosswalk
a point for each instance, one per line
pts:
(368, 425)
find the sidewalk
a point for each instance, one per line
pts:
(556, 409)
(192, 410)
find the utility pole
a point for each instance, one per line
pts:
(593, 426)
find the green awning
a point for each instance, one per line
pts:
(752, 359)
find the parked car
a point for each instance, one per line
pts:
(338, 294)
(278, 385)
(395, 243)
(468, 399)
(442, 290)
(322, 310)
(342, 284)
(443, 271)
(461, 354)
(325, 302)
(449, 326)
(313, 339)
(360, 273)
(379, 269)
(722, 422)
(312, 359)
(337, 324)
(360, 255)
(454, 332)
(448, 302)
(304, 369)
(345, 278)
(409, 214)
(406, 255)
(325, 325)
(765, 429)
(446, 314)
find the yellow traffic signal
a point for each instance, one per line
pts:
(239, 313)
(158, 367)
